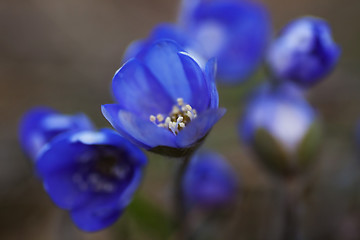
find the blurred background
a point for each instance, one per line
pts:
(63, 54)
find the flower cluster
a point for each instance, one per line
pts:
(166, 102)
(278, 123)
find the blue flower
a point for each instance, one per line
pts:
(281, 127)
(304, 52)
(209, 181)
(92, 174)
(235, 32)
(40, 125)
(166, 103)
(162, 31)
(286, 116)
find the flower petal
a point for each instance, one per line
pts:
(210, 72)
(164, 63)
(133, 49)
(104, 209)
(139, 130)
(137, 90)
(63, 191)
(58, 155)
(88, 220)
(199, 127)
(200, 93)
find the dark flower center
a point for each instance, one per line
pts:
(105, 170)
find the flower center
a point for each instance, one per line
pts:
(103, 173)
(180, 115)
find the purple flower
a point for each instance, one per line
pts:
(209, 181)
(40, 125)
(304, 52)
(165, 102)
(92, 174)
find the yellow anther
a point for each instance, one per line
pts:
(160, 117)
(152, 118)
(175, 109)
(180, 101)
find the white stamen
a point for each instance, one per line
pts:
(190, 115)
(180, 101)
(178, 118)
(152, 118)
(160, 117)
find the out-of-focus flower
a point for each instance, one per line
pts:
(235, 32)
(304, 52)
(164, 31)
(93, 174)
(209, 181)
(41, 124)
(166, 103)
(281, 127)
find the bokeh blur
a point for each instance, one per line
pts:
(63, 54)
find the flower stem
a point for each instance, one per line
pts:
(292, 210)
(179, 200)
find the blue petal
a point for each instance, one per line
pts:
(103, 210)
(199, 127)
(88, 220)
(40, 125)
(139, 130)
(134, 49)
(30, 131)
(136, 90)
(63, 191)
(164, 63)
(58, 155)
(210, 72)
(200, 93)
(241, 49)
(166, 31)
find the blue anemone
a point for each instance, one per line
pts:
(41, 124)
(209, 181)
(280, 110)
(304, 52)
(282, 129)
(92, 174)
(235, 32)
(166, 102)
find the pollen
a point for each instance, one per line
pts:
(180, 115)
